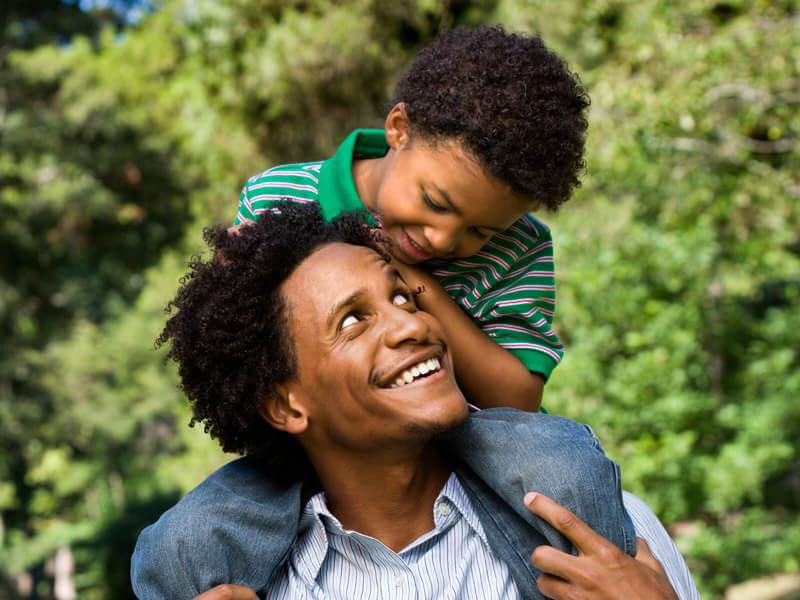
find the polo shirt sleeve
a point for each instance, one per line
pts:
(522, 304)
(244, 211)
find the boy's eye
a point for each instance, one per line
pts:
(400, 298)
(481, 233)
(431, 204)
(349, 320)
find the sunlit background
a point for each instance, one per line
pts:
(128, 126)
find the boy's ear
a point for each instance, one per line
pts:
(285, 410)
(397, 127)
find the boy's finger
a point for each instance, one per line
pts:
(237, 229)
(564, 520)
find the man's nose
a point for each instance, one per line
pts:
(403, 326)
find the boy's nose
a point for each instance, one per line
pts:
(442, 241)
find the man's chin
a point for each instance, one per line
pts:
(429, 431)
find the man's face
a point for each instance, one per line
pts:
(372, 369)
(437, 202)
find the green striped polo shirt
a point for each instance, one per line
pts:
(508, 287)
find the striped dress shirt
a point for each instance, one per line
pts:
(451, 561)
(649, 528)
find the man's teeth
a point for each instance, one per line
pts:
(419, 370)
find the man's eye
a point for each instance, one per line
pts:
(350, 319)
(400, 298)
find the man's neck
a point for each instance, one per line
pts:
(389, 501)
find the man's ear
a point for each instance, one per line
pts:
(397, 127)
(285, 410)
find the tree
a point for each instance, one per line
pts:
(118, 145)
(677, 260)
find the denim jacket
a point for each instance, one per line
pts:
(238, 526)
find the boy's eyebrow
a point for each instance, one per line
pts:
(447, 199)
(457, 210)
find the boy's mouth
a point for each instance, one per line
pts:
(411, 248)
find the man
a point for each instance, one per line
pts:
(364, 386)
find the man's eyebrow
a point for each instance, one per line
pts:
(356, 296)
(395, 274)
(344, 303)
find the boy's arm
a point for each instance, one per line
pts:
(499, 322)
(489, 375)
(244, 213)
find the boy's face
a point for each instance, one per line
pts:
(435, 201)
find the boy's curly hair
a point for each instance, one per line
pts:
(512, 103)
(230, 334)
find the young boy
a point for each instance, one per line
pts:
(485, 127)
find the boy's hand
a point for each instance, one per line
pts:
(417, 279)
(479, 361)
(236, 229)
(601, 571)
(228, 592)
(233, 230)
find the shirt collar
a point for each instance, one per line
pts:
(317, 523)
(453, 492)
(311, 543)
(337, 190)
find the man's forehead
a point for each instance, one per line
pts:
(334, 272)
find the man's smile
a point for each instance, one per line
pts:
(422, 365)
(422, 369)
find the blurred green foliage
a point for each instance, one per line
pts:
(678, 260)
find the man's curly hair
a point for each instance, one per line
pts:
(230, 334)
(513, 104)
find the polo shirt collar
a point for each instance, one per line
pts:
(337, 190)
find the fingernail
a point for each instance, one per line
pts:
(529, 497)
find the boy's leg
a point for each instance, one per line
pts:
(236, 527)
(516, 452)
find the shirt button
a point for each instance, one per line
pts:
(398, 580)
(444, 510)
